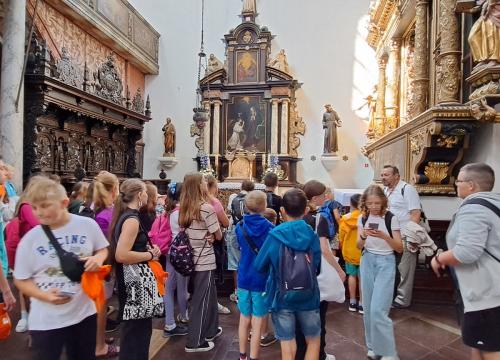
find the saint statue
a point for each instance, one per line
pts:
(280, 62)
(331, 121)
(213, 64)
(169, 138)
(249, 6)
(484, 37)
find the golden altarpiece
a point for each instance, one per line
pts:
(435, 88)
(250, 98)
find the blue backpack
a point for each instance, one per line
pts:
(181, 254)
(327, 213)
(297, 275)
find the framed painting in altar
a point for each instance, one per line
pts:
(247, 66)
(246, 123)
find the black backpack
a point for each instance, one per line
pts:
(387, 219)
(238, 208)
(181, 254)
(297, 275)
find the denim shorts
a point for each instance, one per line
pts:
(351, 269)
(233, 249)
(284, 323)
(252, 303)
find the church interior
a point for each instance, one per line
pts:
(326, 90)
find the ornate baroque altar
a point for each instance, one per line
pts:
(251, 102)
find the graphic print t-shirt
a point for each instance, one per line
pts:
(36, 259)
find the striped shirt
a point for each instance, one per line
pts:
(197, 232)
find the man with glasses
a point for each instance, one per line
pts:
(473, 240)
(404, 203)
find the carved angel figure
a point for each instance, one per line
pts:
(280, 62)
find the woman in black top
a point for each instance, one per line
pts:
(138, 292)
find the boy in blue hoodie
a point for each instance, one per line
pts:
(251, 233)
(295, 234)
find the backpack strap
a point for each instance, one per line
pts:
(249, 240)
(388, 222)
(403, 190)
(489, 205)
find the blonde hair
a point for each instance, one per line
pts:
(373, 190)
(105, 184)
(41, 188)
(192, 197)
(256, 201)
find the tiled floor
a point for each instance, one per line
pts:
(423, 332)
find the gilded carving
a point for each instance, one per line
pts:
(409, 78)
(448, 61)
(296, 126)
(392, 93)
(447, 141)
(480, 110)
(380, 115)
(436, 171)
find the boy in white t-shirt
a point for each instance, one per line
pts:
(61, 315)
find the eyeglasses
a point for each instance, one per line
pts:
(461, 181)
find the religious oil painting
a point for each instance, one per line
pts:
(246, 66)
(246, 123)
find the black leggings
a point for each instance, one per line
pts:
(79, 341)
(135, 338)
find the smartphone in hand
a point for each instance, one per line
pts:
(373, 226)
(67, 293)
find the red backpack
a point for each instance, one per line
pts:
(161, 233)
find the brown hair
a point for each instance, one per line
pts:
(150, 206)
(104, 185)
(313, 188)
(373, 190)
(128, 192)
(295, 202)
(395, 170)
(79, 190)
(271, 180)
(192, 198)
(89, 199)
(247, 185)
(270, 215)
(173, 196)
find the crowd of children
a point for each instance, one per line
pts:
(275, 247)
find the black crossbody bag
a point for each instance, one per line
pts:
(71, 265)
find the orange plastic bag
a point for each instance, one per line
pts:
(5, 324)
(160, 275)
(93, 285)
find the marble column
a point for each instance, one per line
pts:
(206, 129)
(216, 126)
(380, 116)
(284, 127)
(448, 60)
(420, 84)
(274, 126)
(393, 80)
(12, 117)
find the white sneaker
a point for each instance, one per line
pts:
(371, 355)
(330, 357)
(223, 310)
(22, 325)
(389, 358)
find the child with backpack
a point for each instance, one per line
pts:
(251, 234)
(334, 207)
(379, 235)
(291, 255)
(236, 206)
(348, 237)
(320, 218)
(176, 281)
(61, 314)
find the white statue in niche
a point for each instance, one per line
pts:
(249, 6)
(213, 64)
(280, 62)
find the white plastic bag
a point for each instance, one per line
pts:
(331, 287)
